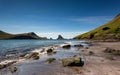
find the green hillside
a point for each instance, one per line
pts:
(111, 30)
(30, 35)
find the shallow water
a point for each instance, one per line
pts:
(23, 46)
(40, 67)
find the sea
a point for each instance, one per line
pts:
(21, 47)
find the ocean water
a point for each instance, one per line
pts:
(23, 46)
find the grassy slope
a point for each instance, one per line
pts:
(99, 33)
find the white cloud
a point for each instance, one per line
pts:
(54, 35)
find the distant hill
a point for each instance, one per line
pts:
(30, 35)
(111, 30)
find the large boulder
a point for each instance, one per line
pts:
(75, 61)
(66, 46)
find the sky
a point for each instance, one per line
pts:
(53, 17)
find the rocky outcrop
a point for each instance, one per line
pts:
(6, 63)
(60, 37)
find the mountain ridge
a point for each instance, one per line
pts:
(29, 35)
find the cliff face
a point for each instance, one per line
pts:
(30, 35)
(111, 30)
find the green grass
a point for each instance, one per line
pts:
(113, 31)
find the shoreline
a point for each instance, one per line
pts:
(40, 51)
(97, 62)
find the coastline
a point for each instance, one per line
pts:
(96, 63)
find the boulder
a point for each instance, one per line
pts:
(75, 61)
(67, 46)
(78, 45)
(13, 69)
(91, 52)
(32, 55)
(49, 51)
(6, 64)
(50, 60)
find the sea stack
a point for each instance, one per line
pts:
(60, 37)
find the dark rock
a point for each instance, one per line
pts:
(54, 52)
(79, 45)
(33, 55)
(66, 46)
(2, 66)
(75, 61)
(13, 69)
(105, 28)
(7, 64)
(60, 37)
(91, 52)
(50, 50)
(50, 60)
(51, 38)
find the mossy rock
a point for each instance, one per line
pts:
(50, 60)
(75, 61)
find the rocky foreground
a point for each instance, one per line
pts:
(90, 58)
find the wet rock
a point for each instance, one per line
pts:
(43, 50)
(75, 61)
(79, 45)
(54, 52)
(109, 50)
(6, 64)
(13, 69)
(112, 51)
(2, 66)
(32, 55)
(86, 47)
(50, 60)
(75, 56)
(91, 52)
(67, 46)
(50, 50)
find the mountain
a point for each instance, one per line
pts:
(30, 35)
(60, 37)
(110, 30)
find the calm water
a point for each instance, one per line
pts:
(11, 46)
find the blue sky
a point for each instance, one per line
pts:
(52, 17)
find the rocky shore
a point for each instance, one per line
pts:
(88, 58)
